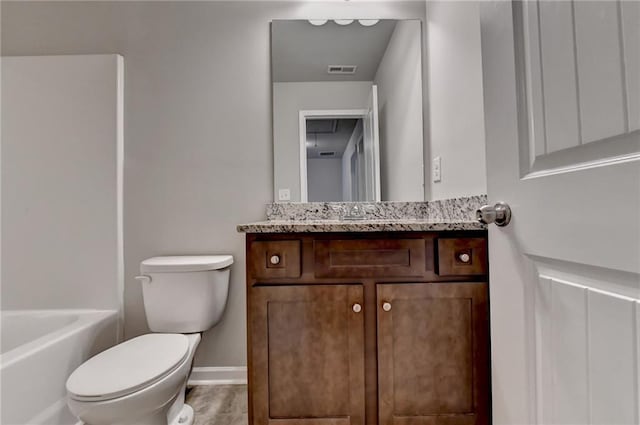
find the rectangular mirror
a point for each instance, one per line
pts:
(347, 110)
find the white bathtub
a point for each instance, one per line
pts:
(39, 349)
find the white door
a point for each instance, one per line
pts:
(372, 146)
(562, 87)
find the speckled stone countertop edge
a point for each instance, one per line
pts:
(338, 226)
(452, 209)
(438, 215)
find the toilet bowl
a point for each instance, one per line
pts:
(152, 397)
(142, 381)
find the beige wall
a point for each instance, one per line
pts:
(61, 182)
(399, 80)
(198, 139)
(456, 98)
(288, 100)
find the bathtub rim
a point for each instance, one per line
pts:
(86, 318)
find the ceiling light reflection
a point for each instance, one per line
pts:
(368, 22)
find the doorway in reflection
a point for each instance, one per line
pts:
(333, 147)
(339, 154)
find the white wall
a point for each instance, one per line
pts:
(456, 98)
(324, 177)
(399, 80)
(288, 100)
(61, 182)
(198, 150)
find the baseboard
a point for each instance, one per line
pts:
(218, 375)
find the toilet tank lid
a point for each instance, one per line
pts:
(185, 263)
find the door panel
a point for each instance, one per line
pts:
(308, 355)
(630, 16)
(577, 71)
(433, 353)
(559, 81)
(564, 329)
(600, 66)
(586, 340)
(612, 360)
(563, 149)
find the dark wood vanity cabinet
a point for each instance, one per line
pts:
(307, 350)
(433, 354)
(368, 328)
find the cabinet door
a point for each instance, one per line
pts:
(307, 355)
(433, 365)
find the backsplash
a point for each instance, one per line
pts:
(454, 209)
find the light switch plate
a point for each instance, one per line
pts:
(437, 169)
(284, 195)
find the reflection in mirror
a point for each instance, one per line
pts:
(340, 159)
(347, 110)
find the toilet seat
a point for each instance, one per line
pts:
(128, 367)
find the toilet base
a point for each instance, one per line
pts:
(185, 417)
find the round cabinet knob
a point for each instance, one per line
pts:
(386, 306)
(357, 308)
(465, 258)
(275, 259)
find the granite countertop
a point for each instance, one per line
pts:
(446, 214)
(395, 225)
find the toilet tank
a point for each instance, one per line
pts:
(185, 294)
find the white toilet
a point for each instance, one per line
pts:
(142, 381)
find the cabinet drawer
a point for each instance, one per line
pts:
(462, 256)
(275, 259)
(369, 258)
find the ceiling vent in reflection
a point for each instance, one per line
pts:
(342, 69)
(327, 154)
